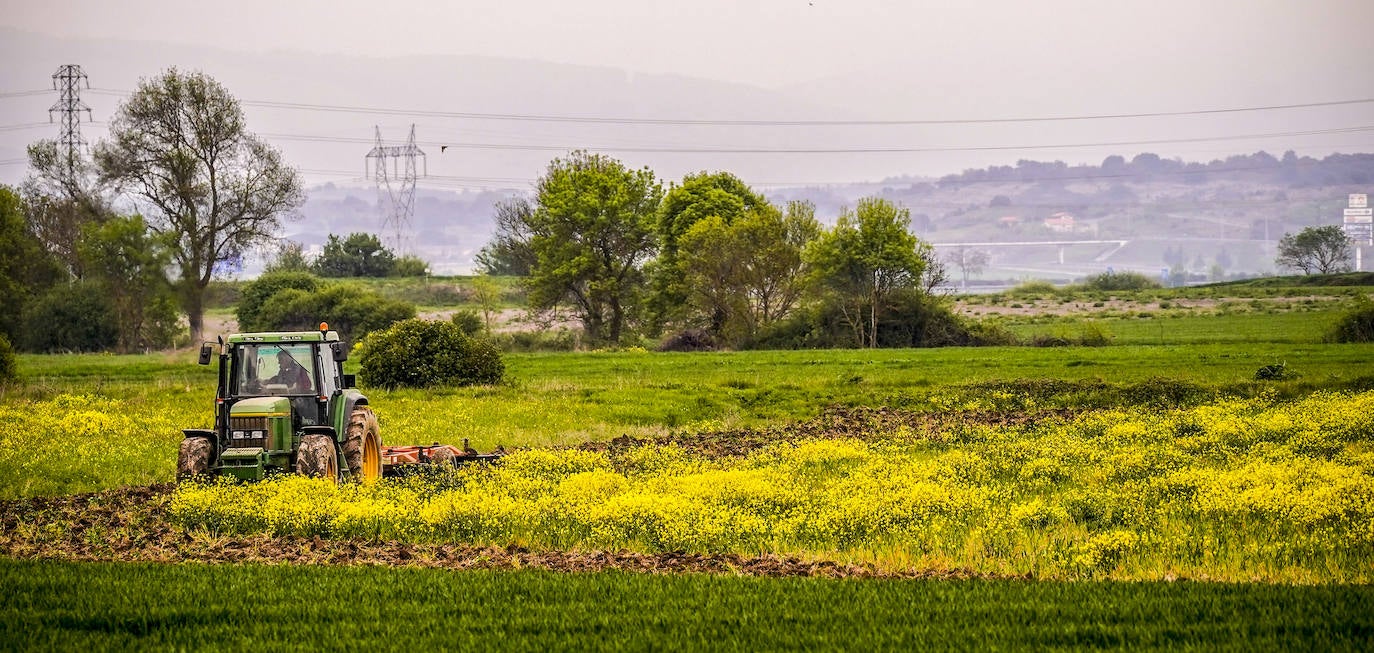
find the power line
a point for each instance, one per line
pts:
(10, 94)
(622, 120)
(840, 150)
(30, 125)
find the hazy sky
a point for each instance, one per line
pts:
(765, 42)
(821, 59)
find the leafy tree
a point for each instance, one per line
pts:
(1315, 250)
(210, 187)
(591, 231)
(488, 295)
(710, 269)
(26, 268)
(358, 255)
(509, 252)
(128, 261)
(62, 195)
(969, 261)
(699, 196)
(865, 261)
(289, 256)
(748, 274)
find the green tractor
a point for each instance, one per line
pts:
(284, 404)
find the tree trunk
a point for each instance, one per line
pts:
(193, 302)
(617, 320)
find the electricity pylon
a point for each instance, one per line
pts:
(396, 186)
(67, 80)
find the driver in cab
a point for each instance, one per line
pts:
(291, 374)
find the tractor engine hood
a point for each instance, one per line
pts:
(260, 423)
(261, 407)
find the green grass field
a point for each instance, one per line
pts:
(79, 423)
(65, 606)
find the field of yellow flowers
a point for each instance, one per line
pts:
(1243, 489)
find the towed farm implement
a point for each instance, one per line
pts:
(284, 404)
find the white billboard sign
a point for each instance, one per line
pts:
(1359, 200)
(1351, 213)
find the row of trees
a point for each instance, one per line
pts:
(199, 191)
(709, 253)
(356, 255)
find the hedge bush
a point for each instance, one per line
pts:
(257, 292)
(419, 354)
(9, 368)
(71, 317)
(1118, 281)
(297, 301)
(1357, 324)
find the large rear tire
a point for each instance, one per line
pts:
(317, 458)
(363, 445)
(193, 459)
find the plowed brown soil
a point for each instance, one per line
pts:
(130, 525)
(834, 423)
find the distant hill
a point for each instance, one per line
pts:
(1222, 217)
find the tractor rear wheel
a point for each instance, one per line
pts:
(362, 445)
(194, 457)
(316, 457)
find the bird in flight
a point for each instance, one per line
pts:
(442, 148)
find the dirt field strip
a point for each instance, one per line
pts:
(129, 525)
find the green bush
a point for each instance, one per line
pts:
(1118, 281)
(912, 319)
(529, 341)
(351, 310)
(410, 266)
(71, 317)
(420, 353)
(1034, 288)
(1357, 324)
(9, 369)
(469, 321)
(257, 292)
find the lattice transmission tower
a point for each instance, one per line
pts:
(396, 186)
(68, 80)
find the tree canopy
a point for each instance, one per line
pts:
(1315, 250)
(357, 255)
(591, 231)
(210, 187)
(866, 259)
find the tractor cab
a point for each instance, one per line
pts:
(278, 391)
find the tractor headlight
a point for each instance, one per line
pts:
(238, 435)
(258, 435)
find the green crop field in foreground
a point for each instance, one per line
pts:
(97, 606)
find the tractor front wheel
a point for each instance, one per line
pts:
(316, 458)
(194, 457)
(362, 445)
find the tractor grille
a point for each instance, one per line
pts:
(248, 432)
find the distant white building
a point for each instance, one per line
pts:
(1061, 222)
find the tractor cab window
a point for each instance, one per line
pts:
(275, 369)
